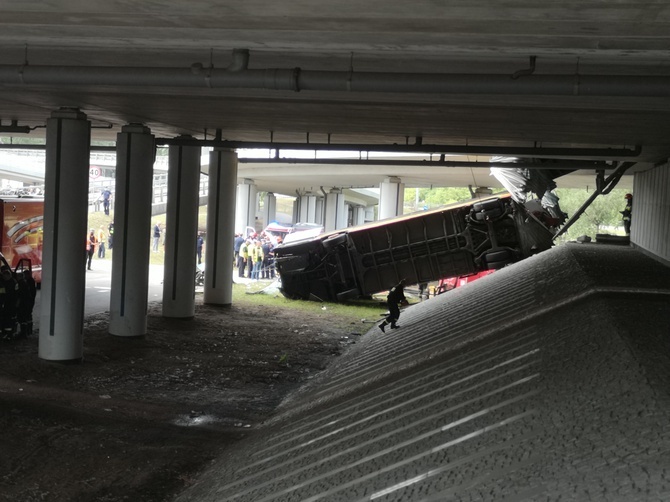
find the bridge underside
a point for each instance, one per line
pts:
(548, 377)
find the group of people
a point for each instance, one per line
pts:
(254, 257)
(97, 240)
(17, 299)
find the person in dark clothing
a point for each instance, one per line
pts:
(243, 258)
(27, 294)
(110, 235)
(199, 241)
(9, 298)
(239, 240)
(90, 248)
(106, 196)
(395, 297)
(267, 250)
(157, 237)
(627, 212)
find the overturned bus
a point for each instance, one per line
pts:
(459, 239)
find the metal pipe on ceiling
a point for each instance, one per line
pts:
(534, 152)
(530, 152)
(239, 76)
(561, 165)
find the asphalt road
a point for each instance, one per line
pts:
(98, 286)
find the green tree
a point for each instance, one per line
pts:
(602, 216)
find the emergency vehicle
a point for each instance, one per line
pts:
(22, 232)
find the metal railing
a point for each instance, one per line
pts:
(160, 190)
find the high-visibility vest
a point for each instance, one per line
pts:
(257, 254)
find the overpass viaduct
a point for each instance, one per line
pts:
(572, 82)
(585, 84)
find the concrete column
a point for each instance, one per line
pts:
(301, 205)
(296, 210)
(220, 227)
(245, 208)
(181, 231)
(311, 209)
(319, 211)
(307, 208)
(269, 209)
(68, 139)
(335, 216)
(391, 198)
(135, 150)
(359, 215)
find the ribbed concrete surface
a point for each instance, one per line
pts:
(547, 380)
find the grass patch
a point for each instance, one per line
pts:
(342, 315)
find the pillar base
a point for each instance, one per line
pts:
(223, 305)
(128, 337)
(66, 362)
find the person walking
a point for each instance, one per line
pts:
(90, 248)
(157, 237)
(627, 213)
(396, 296)
(101, 242)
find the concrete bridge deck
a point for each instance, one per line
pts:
(548, 379)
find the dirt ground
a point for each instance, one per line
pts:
(138, 419)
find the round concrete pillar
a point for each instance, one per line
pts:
(220, 227)
(68, 139)
(335, 216)
(135, 151)
(269, 208)
(181, 231)
(359, 215)
(319, 211)
(245, 207)
(307, 209)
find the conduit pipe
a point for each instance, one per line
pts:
(561, 165)
(295, 79)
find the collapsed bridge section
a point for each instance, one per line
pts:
(459, 239)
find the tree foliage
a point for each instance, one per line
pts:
(602, 216)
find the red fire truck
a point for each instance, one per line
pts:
(22, 230)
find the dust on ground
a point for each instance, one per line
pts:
(139, 418)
